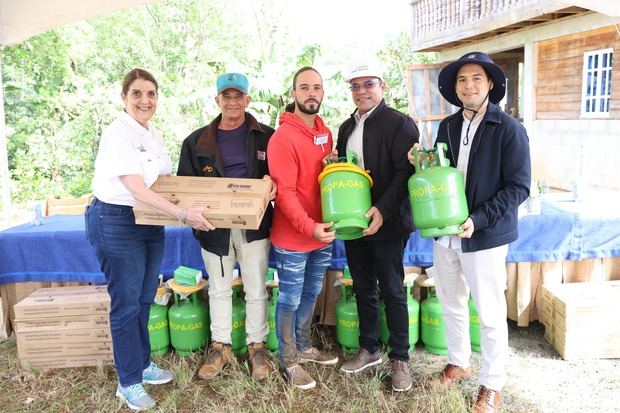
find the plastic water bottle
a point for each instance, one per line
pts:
(577, 190)
(36, 219)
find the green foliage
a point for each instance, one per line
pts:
(37, 104)
(269, 102)
(62, 88)
(397, 56)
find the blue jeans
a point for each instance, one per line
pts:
(300, 277)
(130, 256)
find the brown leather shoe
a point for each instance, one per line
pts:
(362, 360)
(487, 401)
(218, 356)
(401, 378)
(452, 375)
(259, 361)
(298, 377)
(315, 356)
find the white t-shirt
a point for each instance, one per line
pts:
(453, 241)
(126, 148)
(356, 140)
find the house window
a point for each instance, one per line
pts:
(596, 89)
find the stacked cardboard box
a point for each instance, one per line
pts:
(582, 320)
(64, 327)
(226, 202)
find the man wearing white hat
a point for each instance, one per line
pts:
(381, 137)
(491, 149)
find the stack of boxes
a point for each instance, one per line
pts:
(187, 276)
(582, 320)
(64, 327)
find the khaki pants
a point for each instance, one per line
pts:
(253, 259)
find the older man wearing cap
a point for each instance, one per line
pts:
(381, 137)
(491, 149)
(233, 145)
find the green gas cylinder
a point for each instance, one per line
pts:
(437, 194)
(384, 334)
(413, 315)
(159, 333)
(345, 197)
(272, 338)
(413, 311)
(189, 324)
(347, 320)
(238, 335)
(474, 327)
(433, 326)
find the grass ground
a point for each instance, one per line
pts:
(91, 389)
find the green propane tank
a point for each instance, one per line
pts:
(159, 333)
(437, 194)
(189, 319)
(474, 327)
(345, 197)
(238, 335)
(347, 320)
(433, 326)
(384, 334)
(272, 338)
(413, 312)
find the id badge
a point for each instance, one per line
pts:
(320, 139)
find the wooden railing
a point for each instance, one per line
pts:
(454, 19)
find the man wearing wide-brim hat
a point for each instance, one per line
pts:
(491, 149)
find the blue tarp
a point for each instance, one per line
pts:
(58, 250)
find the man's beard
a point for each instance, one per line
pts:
(305, 108)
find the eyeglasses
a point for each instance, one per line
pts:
(369, 84)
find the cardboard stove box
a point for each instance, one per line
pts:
(228, 202)
(37, 338)
(66, 361)
(77, 322)
(72, 290)
(49, 304)
(13, 293)
(40, 350)
(325, 307)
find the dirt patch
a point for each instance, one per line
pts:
(537, 373)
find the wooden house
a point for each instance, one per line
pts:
(563, 77)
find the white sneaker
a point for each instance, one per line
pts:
(135, 396)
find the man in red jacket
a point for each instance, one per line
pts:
(302, 243)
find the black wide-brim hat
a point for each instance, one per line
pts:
(447, 77)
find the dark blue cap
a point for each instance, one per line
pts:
(447, 77)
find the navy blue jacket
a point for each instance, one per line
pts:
(388, 136)
(498, 175)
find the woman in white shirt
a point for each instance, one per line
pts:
(131, 156)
